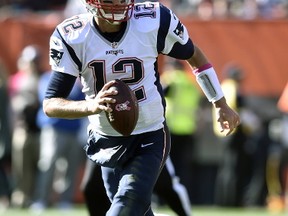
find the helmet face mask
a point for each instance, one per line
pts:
(113, 11)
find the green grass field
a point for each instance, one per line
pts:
(197, 211)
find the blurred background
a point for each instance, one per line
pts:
(246, 41)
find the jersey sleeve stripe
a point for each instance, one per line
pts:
(72, 53)
(165, 19)
(182, 51)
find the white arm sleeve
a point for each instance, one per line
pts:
(210, 85)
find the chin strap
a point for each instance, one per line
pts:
(207, 79)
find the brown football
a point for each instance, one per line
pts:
(124, 116)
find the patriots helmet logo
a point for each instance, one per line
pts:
(179, 30)
(56, 55)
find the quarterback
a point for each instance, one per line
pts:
(119, 39)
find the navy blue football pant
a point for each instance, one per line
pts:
(98, 203)
(130, 186)
(168, 188)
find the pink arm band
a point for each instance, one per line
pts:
(202, 68)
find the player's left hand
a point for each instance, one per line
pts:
(227, 118)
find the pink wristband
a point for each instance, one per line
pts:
(202, 68)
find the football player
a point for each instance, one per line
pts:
(120, 39)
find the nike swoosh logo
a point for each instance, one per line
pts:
(145, 145)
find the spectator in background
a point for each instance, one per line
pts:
(5, 140)
(277, 164)
(220, 8)
(283, 107)
(241, 173)
(229, 181)
(60, 154)
(276, 167)
(25, 143)
(36, 6)
(182, 98)
(205, 9)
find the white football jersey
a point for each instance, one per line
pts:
(78, 49)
